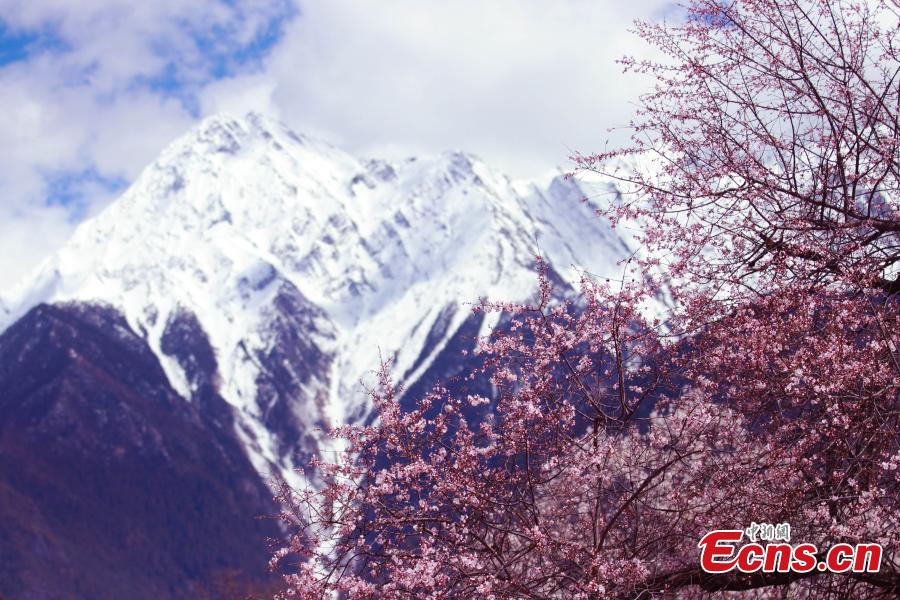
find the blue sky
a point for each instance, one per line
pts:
(223, 53)
(216, 50)
(94, 90)
(19, 45)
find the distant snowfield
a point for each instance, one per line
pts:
(241, 221)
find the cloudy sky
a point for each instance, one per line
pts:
(91, 91)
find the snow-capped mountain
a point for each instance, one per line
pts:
(198, 335)
(302, 264)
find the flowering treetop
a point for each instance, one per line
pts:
(614, 441)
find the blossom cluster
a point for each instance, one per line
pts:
(615, 438)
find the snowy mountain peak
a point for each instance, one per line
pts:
(265, 240)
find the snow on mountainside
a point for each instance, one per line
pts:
(301, 263)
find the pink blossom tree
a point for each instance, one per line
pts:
(766, 190)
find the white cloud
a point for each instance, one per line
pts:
(50, 131)
(102, 93)
(520, 82)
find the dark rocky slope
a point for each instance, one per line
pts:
(111, 485)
